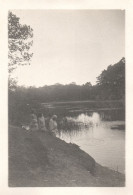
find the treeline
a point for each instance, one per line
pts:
(110, 86)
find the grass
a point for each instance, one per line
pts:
(38, 159)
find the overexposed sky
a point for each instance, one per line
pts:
(71, 45)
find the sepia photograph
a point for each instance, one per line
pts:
(66, 98)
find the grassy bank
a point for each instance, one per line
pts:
(37, 159)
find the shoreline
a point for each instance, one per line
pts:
(79, 101)
(38, 159)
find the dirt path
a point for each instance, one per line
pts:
(37, 159)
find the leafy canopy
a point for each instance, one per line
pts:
(19, 44)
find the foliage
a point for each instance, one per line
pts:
(110, 86)
(19, 44)
(111, 82)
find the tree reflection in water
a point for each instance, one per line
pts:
(73, 126)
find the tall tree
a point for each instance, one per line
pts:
(112, 80)
(19, 44)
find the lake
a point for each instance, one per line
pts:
(100, 132)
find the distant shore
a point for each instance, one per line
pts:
(38, 159)
(82, 101)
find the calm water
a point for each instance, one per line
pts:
(99, 133)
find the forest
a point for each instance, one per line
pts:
(110, 86)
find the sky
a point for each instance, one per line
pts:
(71, 45)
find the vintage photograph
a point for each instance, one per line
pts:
(66, 98)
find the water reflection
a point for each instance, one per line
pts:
(80, 122)
(95, 136)
(112, 114)
(99, 132)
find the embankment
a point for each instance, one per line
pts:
(37, 159)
